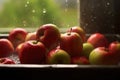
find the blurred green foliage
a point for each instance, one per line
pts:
(29, 13)
(33, 13)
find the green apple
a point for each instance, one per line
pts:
(58, 56)
(87, 48)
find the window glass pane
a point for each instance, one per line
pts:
(33, 13)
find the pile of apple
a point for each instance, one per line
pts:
(47, 45)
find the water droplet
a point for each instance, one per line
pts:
(44, 11)
(108, 4)
(92, 20)
(24, 23)
(68, 25)
(28, 2)
(66, 5)
(94, 17)
(26, 5)
(86, 24)
(33, 11)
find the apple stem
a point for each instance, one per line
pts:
(36, 42)
(70, 31)
(106, 49)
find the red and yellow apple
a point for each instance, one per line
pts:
(71, 42)
(17, 36)
(114, 47)
(6, 61)
(58, 56)
(78, 30)
(114, 50)
(98, 40)
(32, 52)
(6, 48)
(18, 48)
(49, 35)
(30, 36)
(81, 60)
(98, 55)
(101, 56)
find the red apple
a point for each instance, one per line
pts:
(32, 52)
(80, 60)
(49, 35)
(6, 61)
(78, 30)
(114, 49)
(101, 56)
(98, 40)
(58, 56)
(30, 36)
(18, 48)
(71, 42)
(17, 36)
(6, 48)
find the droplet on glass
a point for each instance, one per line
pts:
(28, 2)
(66, 5)
(94, 17)
(24, 23)
(86, 24)
(26, 5)
(33, 11)
(92, 20)
(68, 25)
(108, 4)
(44, 11)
